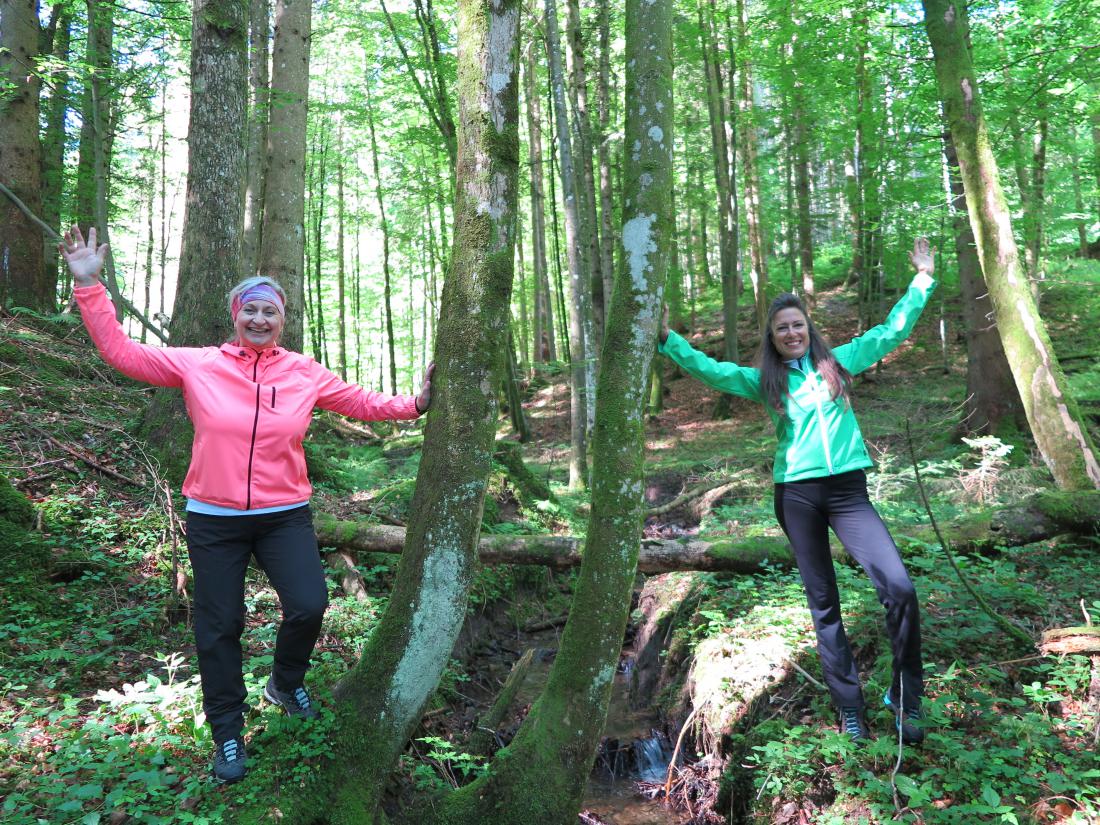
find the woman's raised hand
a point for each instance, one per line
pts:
(85, 259)
(424, 399)
(923, 257)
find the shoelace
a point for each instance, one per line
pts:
(850, 717)
(231, 750)
(302, 698)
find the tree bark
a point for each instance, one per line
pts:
(991, 395)
(581, 356)
(603, 151)
(1051, 411)
(259, 36)
(387, 289)
(282, 241)
(380, 700)
(541, 776)
(341, 320)
(22, 274)
(544, 313)
(100, 62)
(754, 207)
(53, 142)
(214, 217)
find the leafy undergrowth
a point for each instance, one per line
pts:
(100, 710)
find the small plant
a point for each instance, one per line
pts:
(990, 457)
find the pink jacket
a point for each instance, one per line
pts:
(251, 410)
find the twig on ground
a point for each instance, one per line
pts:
(93, 464)
(811, 679)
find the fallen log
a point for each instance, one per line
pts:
(1041, 517)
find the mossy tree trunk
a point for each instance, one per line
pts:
(22, 275)
(259, 30)
(214, 216)
(1051, 411)
(380, 700)
(540, 777)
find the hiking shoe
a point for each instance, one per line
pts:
(909, 720)
(230, 761)
(853, 725)
(295, 702)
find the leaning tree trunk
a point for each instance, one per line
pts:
(282, 235)
(991, 394)
(380, 700)
(22, 280)
(540, 777)
(214, 217)
(1051, 411)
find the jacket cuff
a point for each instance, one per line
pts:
(923, 281)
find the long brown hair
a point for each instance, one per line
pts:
(774, 370)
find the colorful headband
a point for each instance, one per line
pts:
(260, 292)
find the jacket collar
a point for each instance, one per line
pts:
(247, 355)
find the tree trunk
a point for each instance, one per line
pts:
(584, 173)
(725, 187)
(387, 289)
(511, 391)
(1051, 411)
(214, 217)
(100, 63)
(22, 274)
(53, 142)
(282, 236)
(603, 151)
(259, 36)
(801, 130)
(341, 319)
(582, 367)
(1078, 200)
(541, 776)
(544, 314)
(754, 207)
(991, 394)
(380, 700)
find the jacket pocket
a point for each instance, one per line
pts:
(272, 398)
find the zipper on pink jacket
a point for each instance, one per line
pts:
(255, 424)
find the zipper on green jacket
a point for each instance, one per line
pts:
(821, 424)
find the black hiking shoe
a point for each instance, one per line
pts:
(853, 724)
(230, 761)
(295, 702)
(909, 720)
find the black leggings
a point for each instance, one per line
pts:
(806, 510)
(220, 547)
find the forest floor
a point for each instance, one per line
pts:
(100, 712)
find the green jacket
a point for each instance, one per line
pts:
(818, 436)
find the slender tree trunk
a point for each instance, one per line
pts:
(387, 289)
(149, 163)
(341, 320)
(541, 775)
(1078, 200)
(53, 141)
(582, 389)
(801, 131)
(259, 36)
(282, 236)
(1034, 251)
(603, 151)
(100, 39)
(583, 171)
(380, 701)
(1051, 411)
(544, 314)
(23, 279)
(321, 184)
(214, 218)
(512, 395)
(524, 319)
(754, 208)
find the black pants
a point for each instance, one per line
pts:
(806, 510)
(220, 547)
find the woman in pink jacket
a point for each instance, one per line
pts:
(247, 492)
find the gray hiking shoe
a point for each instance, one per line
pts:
(230, 761)
(909, 720)
(295, 702)
(853, 724)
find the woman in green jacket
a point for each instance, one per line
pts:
(820, 483)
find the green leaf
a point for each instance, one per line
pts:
(990, 796)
